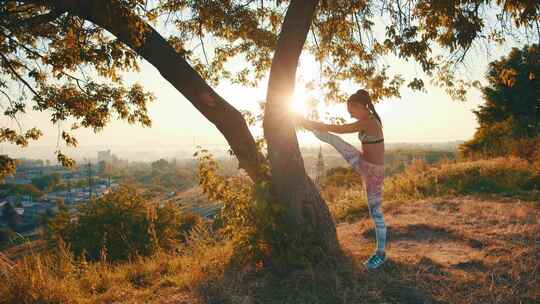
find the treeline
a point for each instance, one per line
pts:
(397, 160)
(159, 176)
(509, 120)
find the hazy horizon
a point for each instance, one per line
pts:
(139, 153)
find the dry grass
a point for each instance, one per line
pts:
(345, 204)
(443, 250)
(485, 179)
(463, 250)
(57, 277)
(504, 175)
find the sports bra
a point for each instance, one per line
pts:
(368, 139)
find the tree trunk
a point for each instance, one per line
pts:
(122, 23)
(306, 210)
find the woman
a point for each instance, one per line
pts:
(369, 163)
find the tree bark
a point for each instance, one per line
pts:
(306, 210)
(122, 23)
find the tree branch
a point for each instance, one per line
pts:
(148, 43)
(37, 20)
(6, 61)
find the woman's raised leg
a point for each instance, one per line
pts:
(348, 151)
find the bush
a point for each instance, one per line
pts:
(254, 222)
(482, 176)
(346, 203)
(341, 176)
(56, 276)
(419, 180)
(120, 225)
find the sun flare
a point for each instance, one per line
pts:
(298, 102)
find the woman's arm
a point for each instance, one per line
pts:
(345, 128)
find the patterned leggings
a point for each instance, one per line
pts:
(373, 176)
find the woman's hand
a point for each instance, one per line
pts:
(311, 125)
(308, 124)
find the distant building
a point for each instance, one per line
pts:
(104, 156)
(320, 168)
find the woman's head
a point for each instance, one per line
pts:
(360, 106)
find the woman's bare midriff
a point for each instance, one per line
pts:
(374, 153)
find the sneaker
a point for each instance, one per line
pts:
(375, 261)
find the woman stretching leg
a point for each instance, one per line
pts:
(372, 175)
(369, 163)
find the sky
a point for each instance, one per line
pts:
(176, 124)
(415, 117)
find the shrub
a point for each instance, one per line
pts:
(419, 180)
(482, 176)
(345, 203)
(56, 276)
(341, 176)
(252, 219)
(121, 224)
(40, 279)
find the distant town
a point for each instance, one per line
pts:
(40, 186)
(37, 189)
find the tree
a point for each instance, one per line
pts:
(46, 182)
(73, 37)
(307, 214)
(161, 165)
(509, 120)
(61, 37)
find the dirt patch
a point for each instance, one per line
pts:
(417, 233)
(439, 244)
(447, 253)
(461, 248)
(446, 205)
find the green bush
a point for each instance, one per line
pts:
(120, 225)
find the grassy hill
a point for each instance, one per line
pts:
(448, 242)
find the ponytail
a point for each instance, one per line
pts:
(374, 112)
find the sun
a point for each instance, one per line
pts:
(298, 102)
